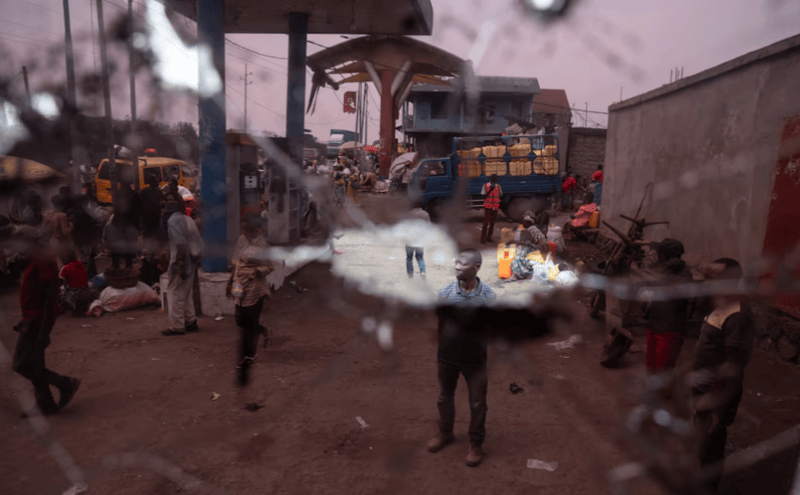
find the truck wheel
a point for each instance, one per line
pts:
(435, 209)
(517, 208)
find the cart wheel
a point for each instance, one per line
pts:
(616, 346)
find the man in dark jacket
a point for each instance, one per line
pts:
(721, 356)
(38, 301)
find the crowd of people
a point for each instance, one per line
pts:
(161, 218)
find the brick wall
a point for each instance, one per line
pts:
(587, 150)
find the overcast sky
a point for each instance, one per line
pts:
(604, 46)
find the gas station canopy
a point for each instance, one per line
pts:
(409, 17)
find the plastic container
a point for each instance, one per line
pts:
(504, 265)
(552, 247)
(594, 220)
(122, 279)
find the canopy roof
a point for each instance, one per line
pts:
(386, 52)
(412, 17)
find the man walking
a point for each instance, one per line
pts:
(186, 248)
(414, 241)
(39, 302)
(492, 192)
(249, 288)
(463, 351)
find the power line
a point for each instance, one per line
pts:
(60, 35)
(42, 7)
(255, 52)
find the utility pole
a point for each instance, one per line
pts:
(112, 158)
(76, 183)
(132, 73)
(246, 84)
(586, 116)
(27, 86)
(366, 113)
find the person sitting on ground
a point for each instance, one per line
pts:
(580, 220)
(75, 291)
(368, 180)
(528, 238)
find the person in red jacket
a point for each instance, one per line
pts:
(39, 304)
(491, 204)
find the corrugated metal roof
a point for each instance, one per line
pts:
(551, 101)
(488, 84)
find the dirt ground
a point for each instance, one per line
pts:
(144, 420)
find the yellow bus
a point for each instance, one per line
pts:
(164, 169)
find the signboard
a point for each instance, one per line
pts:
(350, 102)
(250, 181)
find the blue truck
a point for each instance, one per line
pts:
(527, 168)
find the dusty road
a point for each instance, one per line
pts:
(150, 396)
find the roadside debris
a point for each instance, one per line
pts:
(214, 396)
(566, 344)
(253, 407)
(219, 318)
(545, 466)
(77, 488)
(515, 389)
(362, 422)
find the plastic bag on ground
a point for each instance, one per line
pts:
(566, 278)
(112, 300)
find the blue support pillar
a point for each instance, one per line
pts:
(211, 31)
(296, 87)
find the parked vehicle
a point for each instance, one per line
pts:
(164, 169)
(527, 168)
(337, 138)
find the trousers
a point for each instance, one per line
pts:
(489, 218)
(181, 300)
(247, 319)
(477, 384)
(663, 350)
(713, 440)
(411, 253)
(29, 363)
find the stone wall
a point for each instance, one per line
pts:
(587, 150)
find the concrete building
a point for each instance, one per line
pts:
(586, 150)
(721, 150)
(433, 117)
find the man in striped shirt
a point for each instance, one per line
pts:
(463, 351)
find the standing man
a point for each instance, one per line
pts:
(186, 248)
(150, 198)
(414, 241)
(597, 180)
(721, 356)
(248, 286)
(462, 351)
(492, 192)
(666, 319)
(39, 301)
(567, 187)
